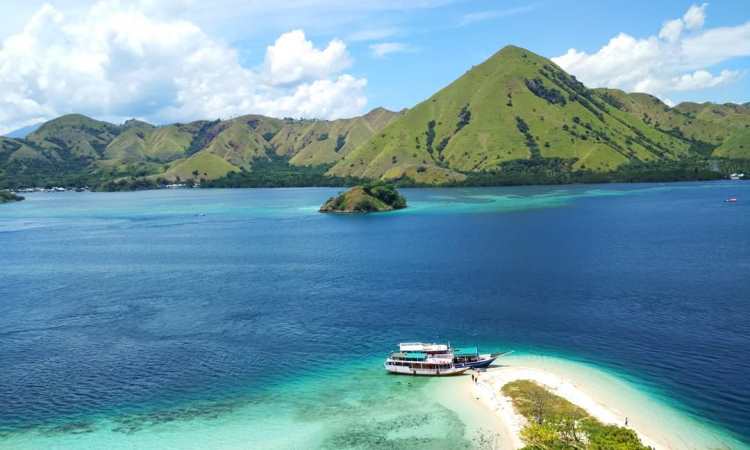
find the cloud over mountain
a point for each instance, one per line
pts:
(116, 61)
(678, 58)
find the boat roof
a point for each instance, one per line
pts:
(410, 355)
(466, 351)
(422, 347)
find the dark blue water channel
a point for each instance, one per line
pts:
(112, 302)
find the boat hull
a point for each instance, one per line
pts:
(480, 364)
(402, 370)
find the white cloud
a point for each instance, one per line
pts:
(718, 44)
(482, 16)
(115, 61)
(372, 34)
(701, 79)
(321, 98)
(678, 59)
(293, 58)
(229, 19)
(383, 49)
(672, 30)
(695, 17)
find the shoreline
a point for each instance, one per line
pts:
(473, 411)
(35, 190)
(605, 397)
(488, 390)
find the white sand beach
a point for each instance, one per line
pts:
(604, 396)
(488, 390)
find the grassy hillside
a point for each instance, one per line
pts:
(516, 105)
(732, 122)
(74, 136)
(75, 149)
(703, 135)
(201, 166)
(317, 142)
(728, 114)
(515, 118)
(736, 146)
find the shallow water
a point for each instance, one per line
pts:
(243, 318)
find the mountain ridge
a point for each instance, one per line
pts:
(515, 114)
(514, 106)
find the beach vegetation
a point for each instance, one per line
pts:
(7, 196)
(556, 423)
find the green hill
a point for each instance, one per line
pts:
(365, 199)
(732, 124)
(736, 146)
(515, 118)
(74, 136)
(328, 142)
(514, 106)
(75, 149)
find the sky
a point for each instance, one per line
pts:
(179, 60)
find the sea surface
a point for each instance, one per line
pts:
(245, 319)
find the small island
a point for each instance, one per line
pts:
(7, 196)
(377, 197)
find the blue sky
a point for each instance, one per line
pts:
(549, 28)
(171, 60)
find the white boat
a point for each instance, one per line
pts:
(418, 358)
(420, 363)
(736, 176)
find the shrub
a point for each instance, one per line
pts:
(551, 95)
(430, 134)
(340, 142)
(464, 117)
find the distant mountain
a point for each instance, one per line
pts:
(24, 131)
(515, 118)
(77, 149)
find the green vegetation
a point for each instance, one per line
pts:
(131, 184)
(736, 146)
(517, 118)
(7, 196)
(374, 197)
(277, 171)
(525, 108)
(522, 106)
(555, 423)
(75, 151)
(558, 171)
(732, 165)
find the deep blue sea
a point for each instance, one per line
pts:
(120, 305)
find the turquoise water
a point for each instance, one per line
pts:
(245, 319)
